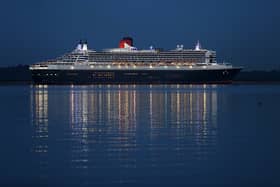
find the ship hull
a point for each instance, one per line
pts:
(216, 76)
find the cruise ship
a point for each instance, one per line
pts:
(129, 65)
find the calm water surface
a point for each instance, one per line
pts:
(160, 135)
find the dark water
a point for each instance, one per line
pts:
(140, 135)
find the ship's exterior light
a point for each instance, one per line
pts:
(72, 67)
(191, 67)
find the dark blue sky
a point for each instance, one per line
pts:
(243, 32)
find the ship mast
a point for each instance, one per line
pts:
(198, 46)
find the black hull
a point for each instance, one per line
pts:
(221, 76)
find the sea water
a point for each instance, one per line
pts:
(140, 135)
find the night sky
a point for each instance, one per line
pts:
(243, 32)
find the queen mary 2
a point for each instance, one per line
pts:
(128, 65)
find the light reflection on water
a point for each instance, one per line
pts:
(122, 134)
(159, 135)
